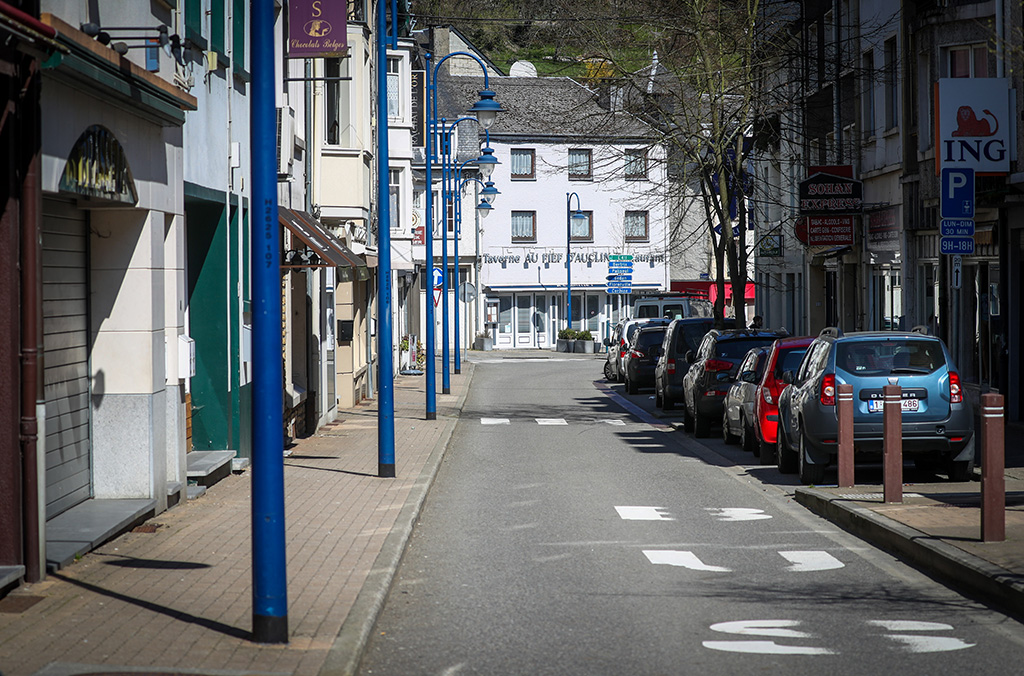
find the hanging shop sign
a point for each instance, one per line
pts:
(317, 29)
(97, 167)
(419, 108)
(883, 230)
(974, 126)
(828, 194)
(825, 230)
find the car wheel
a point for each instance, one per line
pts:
(667, 404)
(631, 387)
(766, 453)
(747, 437)
(961, 470)
(701, 426)
(687, 419)
(783, 456)
(727, 436)
(609, 374)
(809, 474)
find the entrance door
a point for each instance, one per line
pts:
(540, 320)
(66, 351)
(525, 329)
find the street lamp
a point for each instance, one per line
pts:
(577, 218)
(487, 108)
(482, 209)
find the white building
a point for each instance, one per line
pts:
(560, 151)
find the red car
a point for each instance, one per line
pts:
(786, 355)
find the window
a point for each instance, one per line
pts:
(892, 85)
(524, 226)
(967, 61)
(239, 30)
(394, 88)
(868, 96)
(522, 163)
(636, 164)
(337, 102)
(218, 18)
(394, 188)
(636, 226)
(580, 164)
(583, 232)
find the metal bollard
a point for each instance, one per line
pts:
(892, 444)
(993, 462)
(845, 415)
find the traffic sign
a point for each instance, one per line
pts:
(620, 257)
(956, 227)
(956, 245)
(620, 278)
(438, 277)
(957, 193)
(619, 288)
(957, 272)
(620, 267)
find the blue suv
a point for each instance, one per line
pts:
(938, 421)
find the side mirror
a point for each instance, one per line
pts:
(787, 377)
(607, 342)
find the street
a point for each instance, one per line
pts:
(565, 534)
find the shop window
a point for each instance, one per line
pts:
(505, 314)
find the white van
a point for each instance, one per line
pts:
(672, 305)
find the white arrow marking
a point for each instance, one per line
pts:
(643, 514)
(682, 559)
(615, 422)
(910, 625)
(776, 628)
(738, 513)
(808, 561)
(931, 644)
(495, 421)
(551, 421)
(765, 648)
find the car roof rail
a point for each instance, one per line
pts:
(831, 331)
(921, 328)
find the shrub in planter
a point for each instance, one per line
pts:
(568, 334)
(566, 340)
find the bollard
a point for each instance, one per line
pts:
(993, 461)
(845, 415)
(892, 444)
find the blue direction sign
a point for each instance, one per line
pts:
(957, 245)
(619, 289)
(620, 267)
(620, 257)
(956, 227)
(957, 193)
(619, 278)
(438, 278)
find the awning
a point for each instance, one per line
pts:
(710, 287)
(834, 252)
(323, 250)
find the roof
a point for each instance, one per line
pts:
(539, 107)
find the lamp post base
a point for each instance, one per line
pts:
(431, 415)
(386, 471)
(266, 629)
(446, 390)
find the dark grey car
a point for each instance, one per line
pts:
(681, 336)
(642, 355)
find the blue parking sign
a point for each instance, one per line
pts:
(957, 199)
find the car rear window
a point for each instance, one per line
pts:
(689, 335)
(789, 360)
(735, 348)
(650, 338)
(900, 356)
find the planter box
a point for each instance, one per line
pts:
(483, 344)
(584, 346)
(563, 345)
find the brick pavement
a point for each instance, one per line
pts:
(181, 598)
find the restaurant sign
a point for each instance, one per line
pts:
(97, 167)
(827, 194)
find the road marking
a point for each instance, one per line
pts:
(551, 421)
(738, 513)
(643, 514)
(495, 421)
(811, 560)
(774, 628)
(922, 644)
(681, 559)
(614, 422)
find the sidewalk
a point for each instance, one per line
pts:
(176, 594)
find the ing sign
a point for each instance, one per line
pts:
(974, 124)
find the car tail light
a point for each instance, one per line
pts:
(828, 390)
(670, 365)
(717, 365)
(766, 394)
(956, 395)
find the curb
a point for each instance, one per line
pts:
(347, 650)
(952, 566)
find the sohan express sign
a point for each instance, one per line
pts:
(828, 203)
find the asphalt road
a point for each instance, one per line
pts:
(565, 534)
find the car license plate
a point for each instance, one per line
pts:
(876, 405)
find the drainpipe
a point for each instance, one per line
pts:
(31, 355)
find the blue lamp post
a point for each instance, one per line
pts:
(486, 109)
(487, 196)
(571, 217)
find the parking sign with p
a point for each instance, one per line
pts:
(957, 193)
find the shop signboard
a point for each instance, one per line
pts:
(829, 230)
(883, 230)
(317, 29)
(974, 128)
(826, 194)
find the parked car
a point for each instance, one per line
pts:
(614, 369)
(672, 306)
(642, 355)
(738, 407)
(712, 370)
(938, 420)
(786, 355)
(681, 336)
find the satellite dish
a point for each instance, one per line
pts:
(522, 69)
